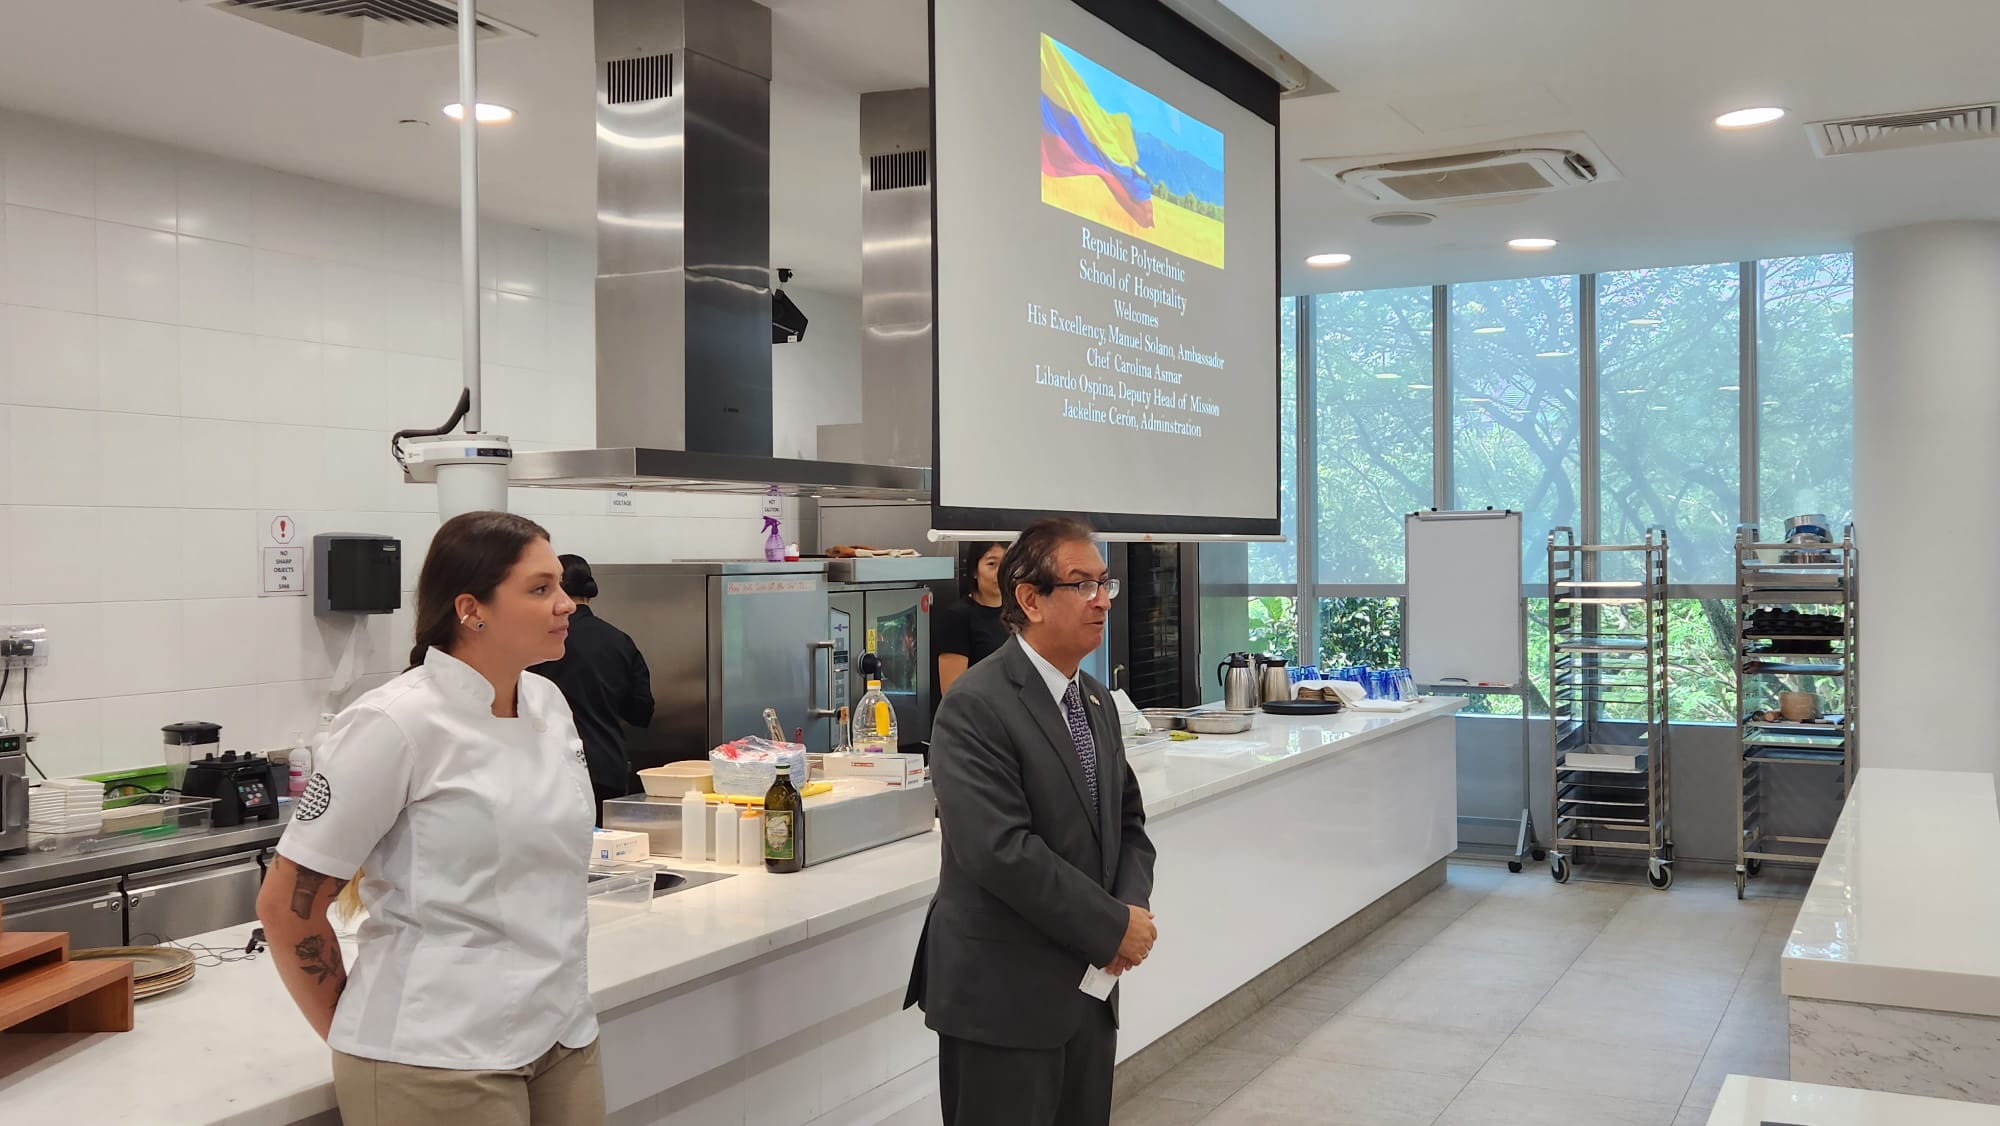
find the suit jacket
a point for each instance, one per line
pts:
(1033, 886)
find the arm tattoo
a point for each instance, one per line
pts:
(306, 888)
(311, 952)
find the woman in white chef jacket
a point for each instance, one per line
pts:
(457, 798)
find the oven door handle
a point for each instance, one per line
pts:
(824, 688)
(13, 801)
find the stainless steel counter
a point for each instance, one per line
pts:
(28, 871)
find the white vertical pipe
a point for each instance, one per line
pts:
(468, 201)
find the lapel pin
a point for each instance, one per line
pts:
(1094, 702)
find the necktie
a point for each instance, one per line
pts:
(1079, 733)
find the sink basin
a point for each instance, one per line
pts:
(667, 883)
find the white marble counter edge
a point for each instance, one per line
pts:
(1749, 1101)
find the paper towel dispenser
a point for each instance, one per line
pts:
(357, 573)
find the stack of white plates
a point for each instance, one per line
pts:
(66, 805)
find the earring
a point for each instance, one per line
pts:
(479, 625)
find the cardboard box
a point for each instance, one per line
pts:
(897, 770)
(619, 845)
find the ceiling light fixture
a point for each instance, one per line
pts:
(1729, 387)
(1657, 407)
(1847, 336)
(1477, 399)
(1387, 375)
(1550, 355)
(1489, 330)
(488, 113)
(1633, 391)
(1530, 243)
(1420, 386)
(1329, 259)
(1644, 322)
(1749, 118)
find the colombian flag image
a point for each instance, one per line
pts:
(1114, 154)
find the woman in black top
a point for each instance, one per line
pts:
(969, 630)
(605, 679)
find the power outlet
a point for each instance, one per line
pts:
(24, 647)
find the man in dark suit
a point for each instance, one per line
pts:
(1047, 868)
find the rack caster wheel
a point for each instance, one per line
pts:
(1754, 867)
(1559, 870)
(1741, 880)
(1661, 876)
(1514, 866)
(1540, 855)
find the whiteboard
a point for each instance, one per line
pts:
(1462, 617)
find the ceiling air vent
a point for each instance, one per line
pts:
(364, 28)
(1905, 130)
(1509, 168)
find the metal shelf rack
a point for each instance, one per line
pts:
(1608, 666)
(1820, 580)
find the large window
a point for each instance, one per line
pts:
(1514, 418)
(1664, 383)
(1805, 389)
(1372, 386)
(1669, 357)
(1279, 562)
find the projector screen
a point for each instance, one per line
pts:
(1106, 232)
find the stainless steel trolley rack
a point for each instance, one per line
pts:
(1796, 631)
(1608, 665)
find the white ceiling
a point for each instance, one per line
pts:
(1643, 81)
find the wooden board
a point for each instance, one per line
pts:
(68, 997)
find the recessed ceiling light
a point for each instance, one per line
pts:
(1749, 118)
(1729, 387)
(1403, 219)
(1489, 330)
(488, 113)
(1530, 243)
(1387, 375)
(1657, 407)
(1847, 336)
(1646, 322)
(1477, 399)
(1633, 391)
(1329, 259)
(1550, 355)
(1420, 386)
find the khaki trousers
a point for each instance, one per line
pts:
(565, 1087)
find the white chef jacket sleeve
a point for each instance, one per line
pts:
(360, 784)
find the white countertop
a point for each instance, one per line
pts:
(231, 1048)
(1756, 1102)
(1904, 910)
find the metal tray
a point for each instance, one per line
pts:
(1303, 707)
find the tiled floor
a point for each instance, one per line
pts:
(1504, 999)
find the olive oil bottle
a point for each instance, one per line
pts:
(784, 824)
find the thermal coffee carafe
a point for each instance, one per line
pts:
(1238, 678)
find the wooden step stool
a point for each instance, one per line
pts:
(41, 990)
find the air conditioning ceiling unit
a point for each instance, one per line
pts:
(1507, 168)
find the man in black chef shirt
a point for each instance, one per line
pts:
(605, 680)
(969, 630)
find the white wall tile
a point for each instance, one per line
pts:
(220, 462)
(235, 709)
(71, 737)
(6, 459)
(218, 374)
(221, 647)
(131, 726)
(137, 554)
(145, 649)
(51, 166)
(290, 382)
(291, 470)
(135, 184)
(288, 640)
(218, 552)
(216, 198)
(76, 650)
(423, 240)
(142, 465)
(138, 366)
(136, 273)
(351, 312)
(522, 338)
(289, 295)
(217, 285)
(7, 557)
(358, 387)
(56, 456)
(572, 270)
(290, 213)
(6, 345)
(421, 390)
(402, 311)
(520, 257)
(572, 339)
(355, 221)
(51, 260)
(53, 357)
(360, 471)
(286, 707)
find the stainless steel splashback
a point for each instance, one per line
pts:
(684, 225)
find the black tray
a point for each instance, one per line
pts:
(1302, 707)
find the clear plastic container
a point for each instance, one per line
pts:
(617, 891)
(875, 722)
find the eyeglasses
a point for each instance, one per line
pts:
(1089, 588)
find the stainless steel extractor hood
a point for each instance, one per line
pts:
(683, 266)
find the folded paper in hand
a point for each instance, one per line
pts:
(1097, 983)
